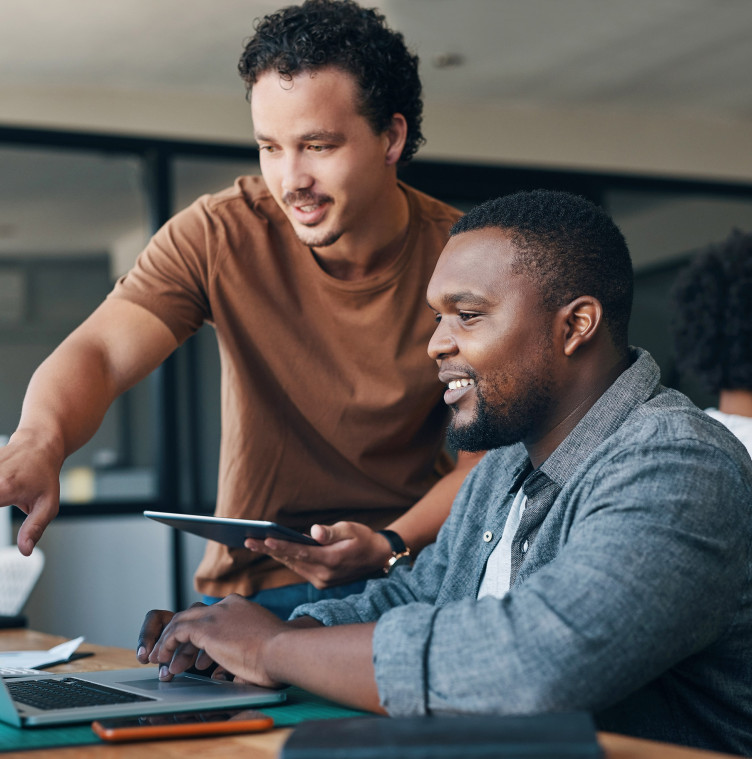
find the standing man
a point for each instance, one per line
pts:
(599, 558)
(314, 278)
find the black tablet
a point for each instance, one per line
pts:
(231, 532)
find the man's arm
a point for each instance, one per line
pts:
(67, 397)
(352, 550)
(250, 642)
(334, 662)
(419, 526)
(636, 588)
(254, 645)
(644, 575)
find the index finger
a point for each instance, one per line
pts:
(154, 623)
(39, 515)
(178, 647)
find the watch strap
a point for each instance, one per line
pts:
(395, 541)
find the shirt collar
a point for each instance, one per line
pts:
(632, 387)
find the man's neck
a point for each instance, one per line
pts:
(737, 402)
(373, 246)
(585, 393)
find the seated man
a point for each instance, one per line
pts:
(597, 559)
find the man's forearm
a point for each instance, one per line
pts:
(72, 389)
(333, 662)
(419, 526)
(65, 402)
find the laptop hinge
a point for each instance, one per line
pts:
(8, 711)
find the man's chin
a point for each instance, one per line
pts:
(482, 433)
(465, 438)
(314, 239)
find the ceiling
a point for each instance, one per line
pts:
(675, 59)
(682, 55)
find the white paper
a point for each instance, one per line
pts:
(39, 658)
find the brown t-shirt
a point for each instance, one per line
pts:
(331, 407)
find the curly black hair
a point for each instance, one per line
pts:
(568, 247)
(711, 322)
(341, 33)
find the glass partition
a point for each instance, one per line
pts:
(70, 222)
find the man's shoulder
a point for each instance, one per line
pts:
(248, 194)
(670, 413)
(668, 419)
(429, 208)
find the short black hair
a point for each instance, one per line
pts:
(568, 247)
(320, 33)
(711, 315)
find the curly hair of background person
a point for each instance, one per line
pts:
(712, 315)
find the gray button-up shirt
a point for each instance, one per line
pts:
(631, 591)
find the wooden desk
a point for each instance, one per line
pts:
(257, 746)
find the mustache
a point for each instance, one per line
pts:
(459, 370)
(304, 198)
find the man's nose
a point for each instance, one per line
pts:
(295, 176)
(442, 342)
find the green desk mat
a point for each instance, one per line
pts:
(300, 706)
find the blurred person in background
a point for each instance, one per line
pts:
(712, 329)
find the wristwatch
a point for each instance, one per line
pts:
(400, 552)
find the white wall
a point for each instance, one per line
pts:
(593, 139)
(611, 140)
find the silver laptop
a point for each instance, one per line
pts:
(57, 699)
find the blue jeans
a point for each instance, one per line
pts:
(282, 601)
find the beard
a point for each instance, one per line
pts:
(505, 421)
(314, 238)
(322, 240)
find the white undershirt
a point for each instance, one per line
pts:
(498, 572)
(741, 426)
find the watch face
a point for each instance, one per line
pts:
(401, 560)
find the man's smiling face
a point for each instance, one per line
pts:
(320, 157)
(493, 343)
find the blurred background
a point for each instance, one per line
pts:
(115, 115)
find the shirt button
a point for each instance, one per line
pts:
(525, 546)
(487, 536)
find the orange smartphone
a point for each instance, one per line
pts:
(182, 725)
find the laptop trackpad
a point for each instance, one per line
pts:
(152, 683)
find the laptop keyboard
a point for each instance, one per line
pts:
(68, 693)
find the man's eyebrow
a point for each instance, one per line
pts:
(321, 135)
(466, 298)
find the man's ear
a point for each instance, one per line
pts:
(582, 321)
(396, 136)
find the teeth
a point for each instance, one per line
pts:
(308, 209)
(457, 384)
